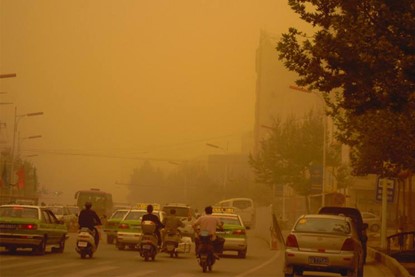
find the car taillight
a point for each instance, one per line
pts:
(123, 226)
(238, 232)
(291, 241)
(28, 226)
(348, 245)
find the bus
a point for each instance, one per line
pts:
(101, 201)
(244, 207)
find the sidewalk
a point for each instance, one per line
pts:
(399, 268)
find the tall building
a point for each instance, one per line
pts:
(274, 98)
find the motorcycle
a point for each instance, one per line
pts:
(205, 251)
(171, 243)
(85, 242)
(149, 242)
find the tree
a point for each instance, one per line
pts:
(364, 52)
(146, 184)
(285, 157)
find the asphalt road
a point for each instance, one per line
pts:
(109, 261)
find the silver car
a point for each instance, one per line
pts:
(324, 243)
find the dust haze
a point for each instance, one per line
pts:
(120, 82)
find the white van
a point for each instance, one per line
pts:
(244, 207)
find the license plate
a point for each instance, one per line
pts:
(318, 260)
(82, 243)
(146, 246)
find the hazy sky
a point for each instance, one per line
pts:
(129, 78)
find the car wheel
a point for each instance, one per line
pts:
(374, 228)
(110, 239)
(61, 247)
(41, 248)
(11, 249)
(121, 246)
(242, 254)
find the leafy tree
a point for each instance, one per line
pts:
(285, 157)
(363, 51)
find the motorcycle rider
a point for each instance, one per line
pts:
(209, 223)
(88, 218)
(152, 217)
(171, 224)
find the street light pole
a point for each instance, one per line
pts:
(225, 177)
(20, 139)
(15, 130)
(323, 184)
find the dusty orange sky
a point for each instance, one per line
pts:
(116, 79)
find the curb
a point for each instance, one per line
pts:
(391, 263)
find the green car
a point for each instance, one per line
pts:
(35, 227)
(111, 226)
(234, 233)
(129, 230)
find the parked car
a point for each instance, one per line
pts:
(35, 227)
(324, 243)
(373, 221)
(186, 214)
(356, 216)
(111, 226)
(234, 232)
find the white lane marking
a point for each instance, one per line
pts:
(25, 264)
(273, 258)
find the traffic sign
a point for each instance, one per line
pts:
(390, 185)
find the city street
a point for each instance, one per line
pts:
(109, 261)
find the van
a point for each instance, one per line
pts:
(244, 207)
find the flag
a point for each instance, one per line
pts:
(3, 179)
(20, 178)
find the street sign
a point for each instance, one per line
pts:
(390, 185)
(316, 178)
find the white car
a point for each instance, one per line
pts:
(373, 221)
(324, 243)
(64, 214)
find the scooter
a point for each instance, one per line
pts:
(85, 242)
(171, 243)
(205, 251)
(149, 242)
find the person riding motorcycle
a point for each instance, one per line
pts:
(171, 224)
(208, 222)
(152, 217)
(88, 218)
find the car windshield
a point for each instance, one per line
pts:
(323, 225)
(118, 214)
(230, 220)
(135, 215)
(18, 212)
(180, 211)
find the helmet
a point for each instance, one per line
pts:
(88, 205)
